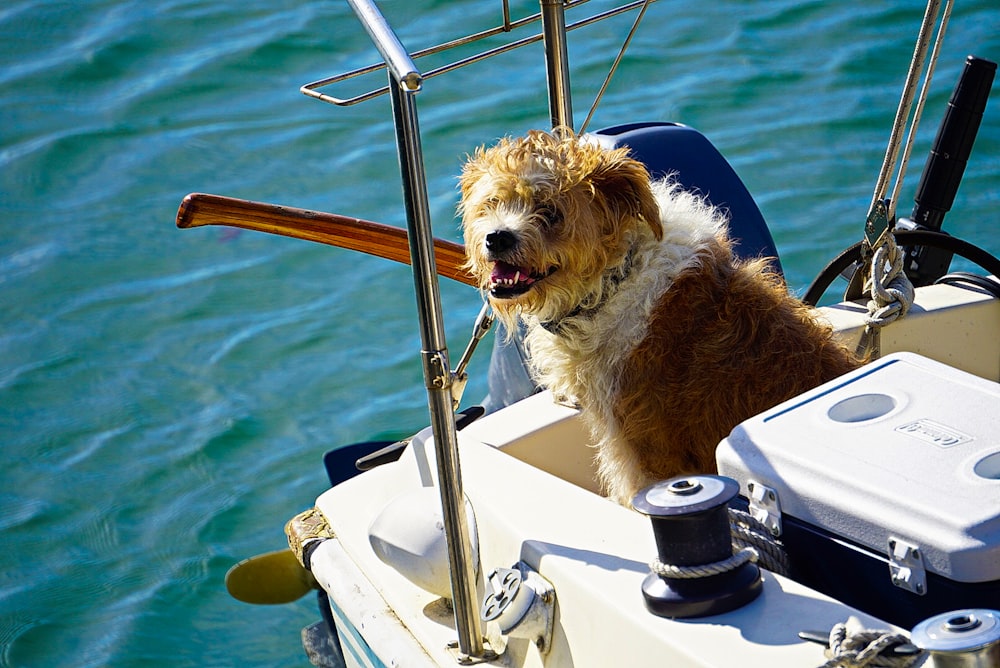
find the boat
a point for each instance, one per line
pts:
(856, 524)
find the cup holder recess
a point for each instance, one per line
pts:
(861, 408)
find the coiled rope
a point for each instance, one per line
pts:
(853, 646)
(751, 543)
(747, 554)
(891, 291)
(748, 532)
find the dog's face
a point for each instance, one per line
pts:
(545, 215)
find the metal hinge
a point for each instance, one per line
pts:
(906, 566)
(764, 506)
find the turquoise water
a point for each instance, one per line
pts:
(166, 396)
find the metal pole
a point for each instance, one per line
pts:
(397, 59)
(557, 63)
(437, 371)
(404, 83)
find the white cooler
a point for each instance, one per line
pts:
(885, 484)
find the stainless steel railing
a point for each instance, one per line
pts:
(405, 81)
(506, 26)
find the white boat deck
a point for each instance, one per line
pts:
(527, 471)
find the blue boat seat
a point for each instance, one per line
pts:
(672, 148)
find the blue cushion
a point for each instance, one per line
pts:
(667, 148)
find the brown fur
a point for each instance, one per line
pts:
(726, 342)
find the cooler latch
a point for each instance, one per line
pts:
(906, 566)
(764, 506)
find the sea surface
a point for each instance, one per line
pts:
(166, 396)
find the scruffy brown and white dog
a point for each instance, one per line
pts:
(634, 303)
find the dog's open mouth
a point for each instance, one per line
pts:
(508, 281)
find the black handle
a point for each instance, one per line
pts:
(946, 163)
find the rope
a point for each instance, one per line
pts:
(853, 646)
(891, 293)
(850, 644)
(750, 532)
(752, 542)
(891, 290)
(693, 572)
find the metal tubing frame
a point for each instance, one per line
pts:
(404, 83)
(557, 63)
(396, 57)
(508, 26)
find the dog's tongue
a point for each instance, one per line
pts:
(508, 274)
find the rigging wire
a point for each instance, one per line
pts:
(905, 103)
(919, 108)
(614, 65)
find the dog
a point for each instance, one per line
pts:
(635, 306)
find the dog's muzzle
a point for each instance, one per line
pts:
(508, 279)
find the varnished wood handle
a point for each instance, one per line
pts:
(377, 239)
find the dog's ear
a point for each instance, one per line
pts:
(625, 183)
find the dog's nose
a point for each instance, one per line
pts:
(500, 241)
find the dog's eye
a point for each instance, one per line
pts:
(549, 215)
